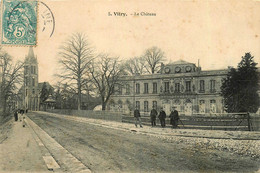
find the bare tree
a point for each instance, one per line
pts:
(11, 76)
(75, 56)
(105, 72)
(135, 65)
(153, 56)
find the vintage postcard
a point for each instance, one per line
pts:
(130, 86)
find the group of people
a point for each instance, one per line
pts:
(174, 117)
(18, 114)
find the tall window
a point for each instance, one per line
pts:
(137, 105)
(177, 87)
(33, 82)
(32, 69)
(188, 86)
(154, 104)
(202, 106)
(127, 89)
(26, 81)
(202, 85)
(145, 88)
(154, 87)
(146, 106)
(33, 91)
(213, 108)
(137, 88)
(120, 106)
(119, 89)
(166, 87)
(26, 70)
(212, 85)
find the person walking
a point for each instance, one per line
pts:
(137, 117)
(153, 115)
(174, 117)
(162, 116)
(15, 115)
(21, 114)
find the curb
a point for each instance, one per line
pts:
(50, 162)
(64, 158)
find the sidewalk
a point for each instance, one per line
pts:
(20, 152)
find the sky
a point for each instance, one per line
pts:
(218, 33)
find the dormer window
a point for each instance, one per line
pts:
(167, 70)
(177, 69)
(188, 68)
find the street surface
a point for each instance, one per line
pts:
(110, 150)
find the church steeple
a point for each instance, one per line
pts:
(31, 53)
(31, 57)
(31, 90)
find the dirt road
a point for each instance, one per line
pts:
(108, 150)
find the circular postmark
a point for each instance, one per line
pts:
(46, 19)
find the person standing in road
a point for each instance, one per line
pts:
(153, 115)
(162, 116)
(174, 117)
(137, 117)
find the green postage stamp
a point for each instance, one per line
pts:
(19, 22)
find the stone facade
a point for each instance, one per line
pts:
(180, 84)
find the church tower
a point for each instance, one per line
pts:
(31, 90)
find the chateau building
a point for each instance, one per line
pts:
(180, 84)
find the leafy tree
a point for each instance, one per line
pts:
(239, 88)
(46, 90)
(44, 93)
(58, 96)
(67, 96)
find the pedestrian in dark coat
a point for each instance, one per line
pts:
(174, 118)
(22, 111)
(15, 115)
(137, 117)
(153, 115)
(162, 116)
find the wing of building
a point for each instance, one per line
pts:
(180, 84)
